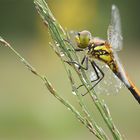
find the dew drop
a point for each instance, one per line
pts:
(44, 11)
(73, 92)
(92, 76)
(22, 59)
(106, 66)
(62, 54)
(58, 45)
(68, 108)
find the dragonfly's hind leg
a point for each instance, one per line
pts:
(97, 77)
(95, 66)
(80, 66)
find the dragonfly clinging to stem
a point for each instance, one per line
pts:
(105, 51)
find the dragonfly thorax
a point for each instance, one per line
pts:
(101, 50)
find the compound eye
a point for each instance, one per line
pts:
(78, 33)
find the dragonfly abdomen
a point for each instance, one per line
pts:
(112, 65)
(129, 84)
(135, 92)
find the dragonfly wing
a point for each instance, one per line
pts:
(114, 30)
(110, 83)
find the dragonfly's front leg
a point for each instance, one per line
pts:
(70, 43)
(80, 66)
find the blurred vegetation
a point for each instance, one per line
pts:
(26, 111)
(19, 17)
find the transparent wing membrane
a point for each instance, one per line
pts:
(110, 84)
(114, 30)
(116, 40)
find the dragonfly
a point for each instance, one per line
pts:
(105, 51)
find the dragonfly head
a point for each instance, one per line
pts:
(83, 38)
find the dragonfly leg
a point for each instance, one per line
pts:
(85, 59)
(98, 77)
(95, 66)
(82, 62)
(96, 72)
(80, 65)
(68, 41)
(76, 49)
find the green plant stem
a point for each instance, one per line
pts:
(58, 35)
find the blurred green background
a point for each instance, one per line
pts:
(27, 110)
